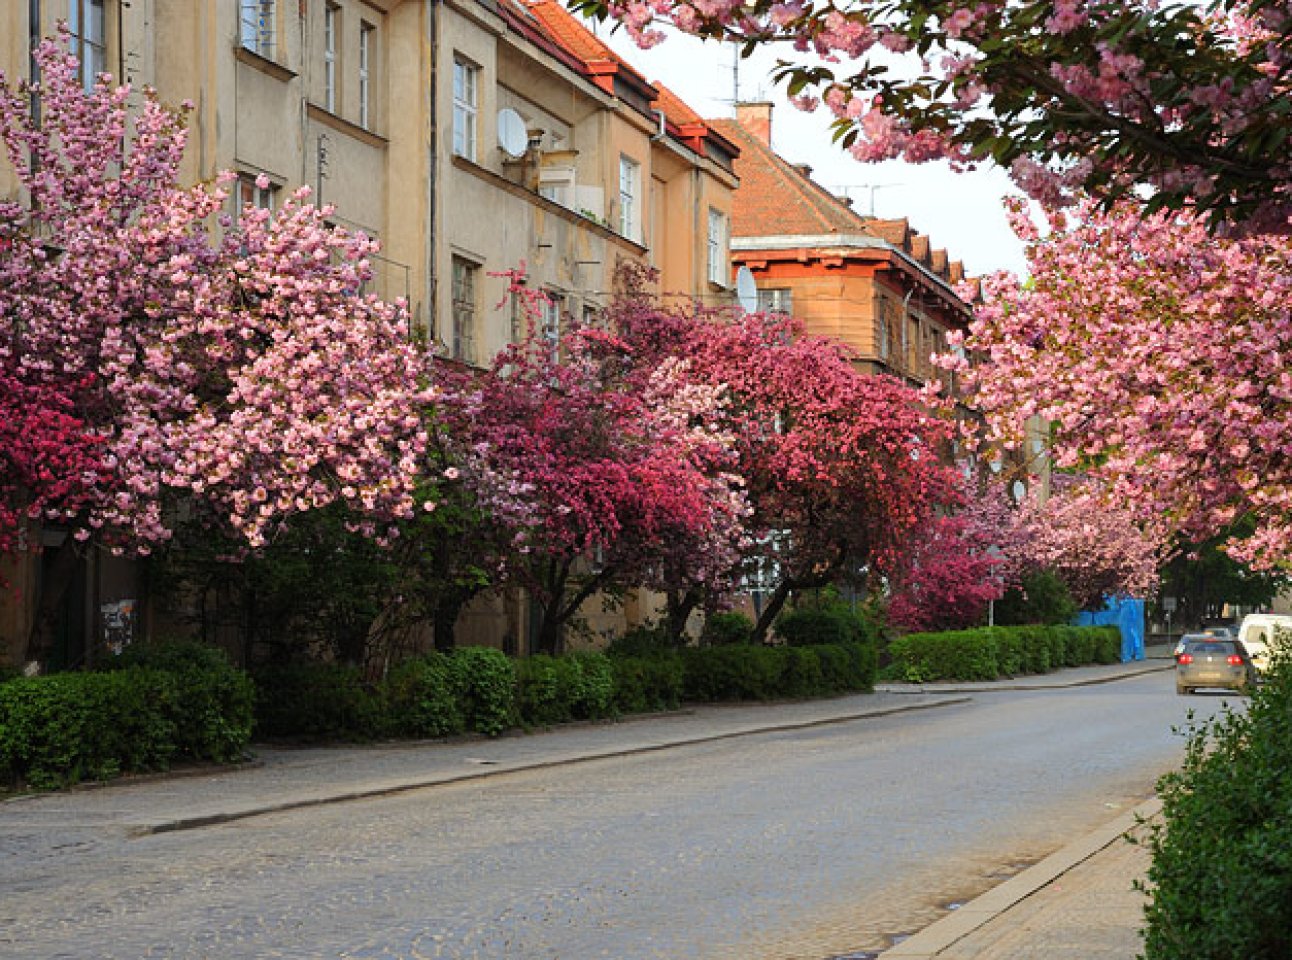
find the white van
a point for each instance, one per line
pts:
(1257, 633)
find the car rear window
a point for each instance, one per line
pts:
(1225, 647)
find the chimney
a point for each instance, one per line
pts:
(756, 118)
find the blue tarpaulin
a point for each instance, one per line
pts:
(1127, 615)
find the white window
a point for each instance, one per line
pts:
(465, 107)
(87, 24)
(331, 24)
(258, 26)
(552, 324)
(365, 74)
(465, 282)
(719, 271)
(775, 300)
(629, 190)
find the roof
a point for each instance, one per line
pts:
(775, 197)
(778, 199)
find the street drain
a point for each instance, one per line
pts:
(953, 905)
(860, 955)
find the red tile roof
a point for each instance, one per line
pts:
(775, 198)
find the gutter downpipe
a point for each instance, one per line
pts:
(432, 40)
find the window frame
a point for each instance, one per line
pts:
(331, 33)
(465, 305)
(466, 108)
(717, 249)
(256, 22)
(629, 197)
(80, 24)
(367, 33)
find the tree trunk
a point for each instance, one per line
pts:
(680, 606)
(444, 616)
(54, 583)
(774, 606)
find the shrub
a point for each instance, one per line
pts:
(421, 700)
(317, 701)
(645, 684)
(58, 730)
(834, 623)
(591, 685)
(1042, 598)
(731, 673)
(213, 710)
(725, 629)
(484, 680)
(990, 652)
(1220, 881)
(647, 640)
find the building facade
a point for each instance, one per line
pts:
(471, 137)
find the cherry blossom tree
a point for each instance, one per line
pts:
(959, 562)
(1098, 548)
(1096, 94)
(598, 486)
(1156, 352)
(839, 468)
(181, 354)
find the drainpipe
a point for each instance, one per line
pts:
(663, 125)
(432, 42)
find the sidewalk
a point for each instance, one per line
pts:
(283, 779)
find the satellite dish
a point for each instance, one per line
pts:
(746, 289)
(513, 137)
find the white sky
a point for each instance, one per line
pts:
(959, 212)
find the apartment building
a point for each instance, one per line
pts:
(471, 137)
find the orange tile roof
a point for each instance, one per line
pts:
(566, 29)
(775, 198)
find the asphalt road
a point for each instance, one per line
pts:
(802, 844)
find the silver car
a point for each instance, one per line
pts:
(1205, 661)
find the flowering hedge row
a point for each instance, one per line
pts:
(988, 653)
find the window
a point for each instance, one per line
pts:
(465, 281)
(719, 272)
(250, 191)
(465, 108)
(331, 23)
(629, 187)
(258, 26)
(86, 22)
(365, 74)
(775, 300)
(551, 320)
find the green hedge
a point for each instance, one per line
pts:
(1220, 882)
(988, 653)
(145, 711)
(713, 674)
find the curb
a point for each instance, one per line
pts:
(942, 934)
(995, 686)
(391, 788)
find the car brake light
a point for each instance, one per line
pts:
(1235, 660)
(1185, 658)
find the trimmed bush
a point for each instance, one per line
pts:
(832, 623)
(484, 680)
(421, 700)
(764, 673)
(317, 701)
(213, 708)
(648, 640)
(579, 686)
(646, 684)
(1220, 882)
(725, 629)
(987, 653)
(141, 711)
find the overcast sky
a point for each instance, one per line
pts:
(960, 212)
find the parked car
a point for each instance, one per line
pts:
(1220, 633)
(1257, 633)
(1205, 661)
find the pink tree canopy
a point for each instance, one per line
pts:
(176, 354)
(1156, 352)
(1099, 95)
